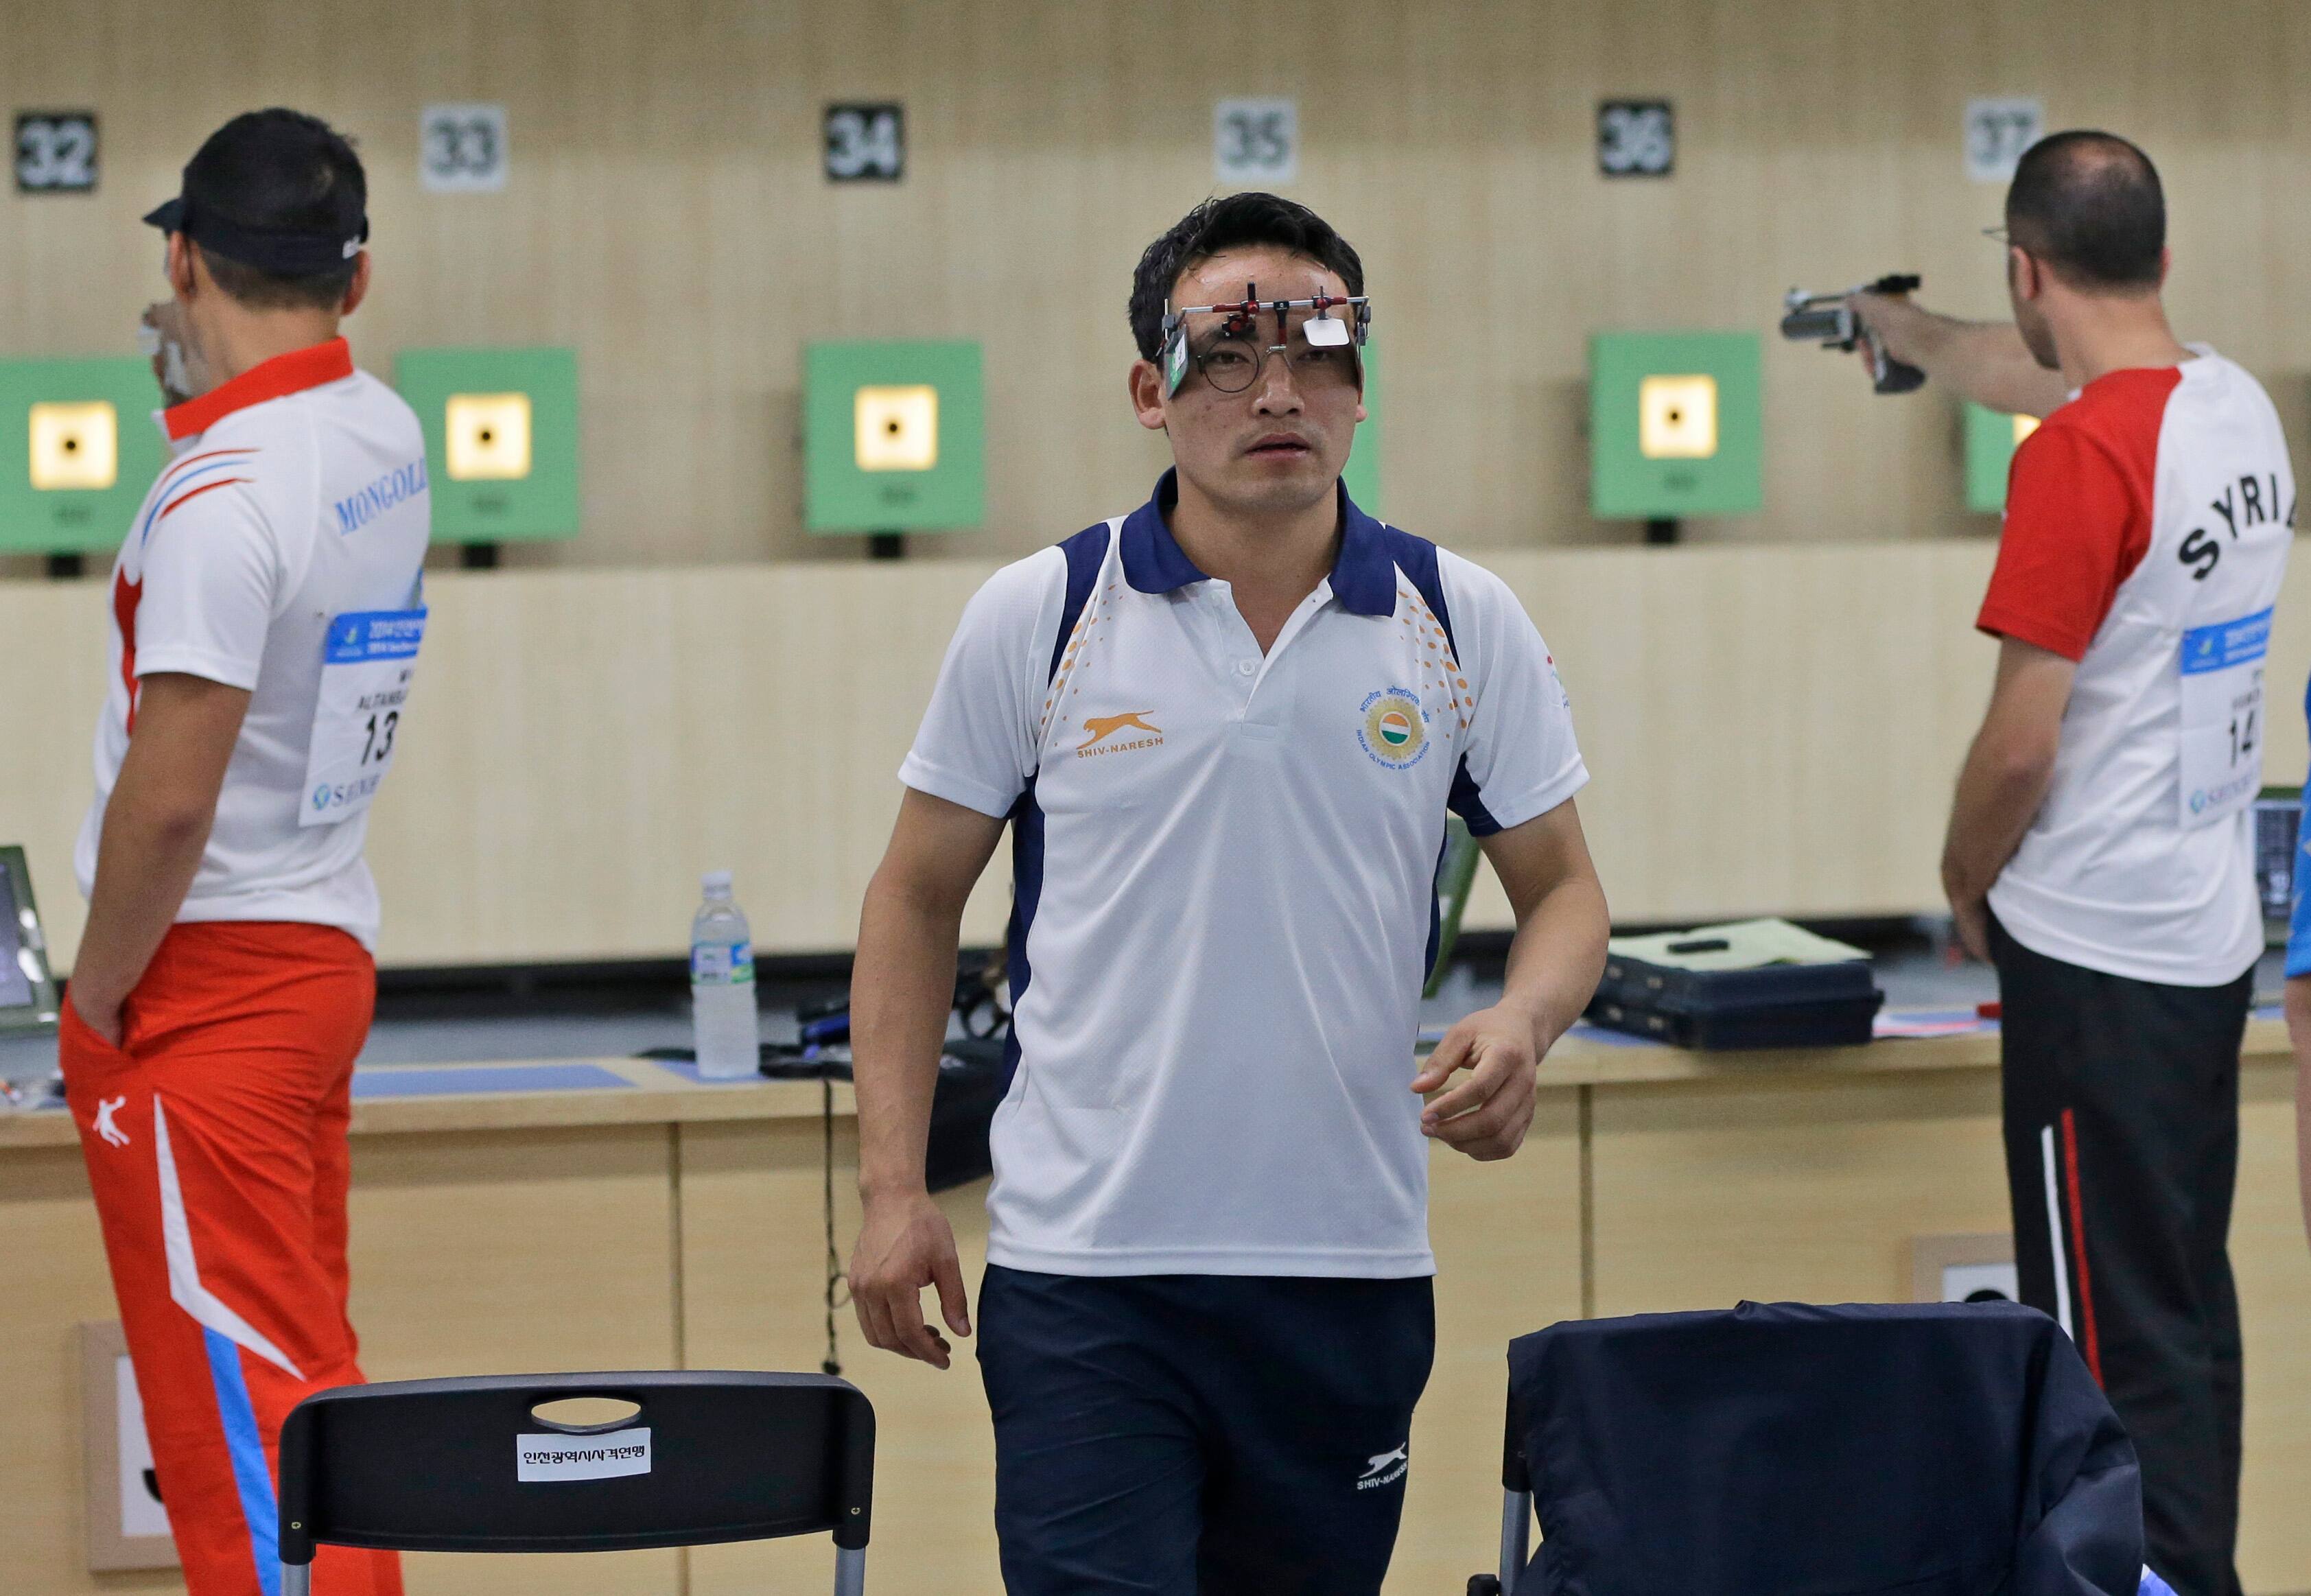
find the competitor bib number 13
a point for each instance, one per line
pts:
(2221, 722)
(366, 666)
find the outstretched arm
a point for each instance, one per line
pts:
(1983, 361)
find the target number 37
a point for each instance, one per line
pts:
(55, 152)
(1997, 132)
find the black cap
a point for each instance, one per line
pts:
(273, 189)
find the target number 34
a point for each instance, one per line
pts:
(866, 144)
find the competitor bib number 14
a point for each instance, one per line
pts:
(2221, 722)
(366, 666)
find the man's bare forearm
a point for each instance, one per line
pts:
(156, 826)
(901, 991)
(1557, 956)
(147, 855)
(1986, 361)
(1999, 792)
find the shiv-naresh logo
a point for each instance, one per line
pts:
(1103, 727)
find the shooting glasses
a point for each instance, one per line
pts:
(1231, 355)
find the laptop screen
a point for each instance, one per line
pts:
(15, 984)
(28, 995)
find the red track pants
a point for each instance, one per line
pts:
(215, 1143)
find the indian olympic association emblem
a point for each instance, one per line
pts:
(1395, 729)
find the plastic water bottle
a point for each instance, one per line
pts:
(722, 985)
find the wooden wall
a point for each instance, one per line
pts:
(667, 217)
(1770, 730)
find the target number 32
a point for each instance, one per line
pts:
(55, 152)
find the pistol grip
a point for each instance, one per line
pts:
(1899, 377)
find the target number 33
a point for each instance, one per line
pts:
(461, 149)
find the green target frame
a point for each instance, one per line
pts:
(468, 401)
(894, 436)
(1654, 454)
(53, 410)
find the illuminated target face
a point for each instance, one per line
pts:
(488, 437)
(2024, 425)
(76, 446)
(897, 428)
(1677, 418)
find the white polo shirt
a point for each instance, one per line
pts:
(1225, 873)
(296, 506)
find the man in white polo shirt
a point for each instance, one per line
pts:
(1226, 730)
(265, 620)
(2101, 847)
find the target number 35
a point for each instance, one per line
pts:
(1256, 141)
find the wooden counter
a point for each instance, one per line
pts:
(665, 1222)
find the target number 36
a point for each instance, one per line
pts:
(1637, 138)
(55, 152)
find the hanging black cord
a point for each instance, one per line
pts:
(835, 1282)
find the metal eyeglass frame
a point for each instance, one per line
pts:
(1243, 317)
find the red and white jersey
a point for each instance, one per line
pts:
(2148, 523)
(277, 553)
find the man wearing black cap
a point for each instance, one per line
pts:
(266, 614)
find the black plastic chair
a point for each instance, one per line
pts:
(467, 1466)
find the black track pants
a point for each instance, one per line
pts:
(2121, 1102)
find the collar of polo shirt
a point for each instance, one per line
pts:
(1364, 574)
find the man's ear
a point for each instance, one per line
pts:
(2029, 275)
(1146, 388)
(179, 267)
(359, 291)
(2165, 263)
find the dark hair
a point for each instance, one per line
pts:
(2089, 206)
(279, 171)
(1230, 223)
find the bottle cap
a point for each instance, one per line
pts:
(717, 884)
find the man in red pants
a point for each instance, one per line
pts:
(265, 620)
